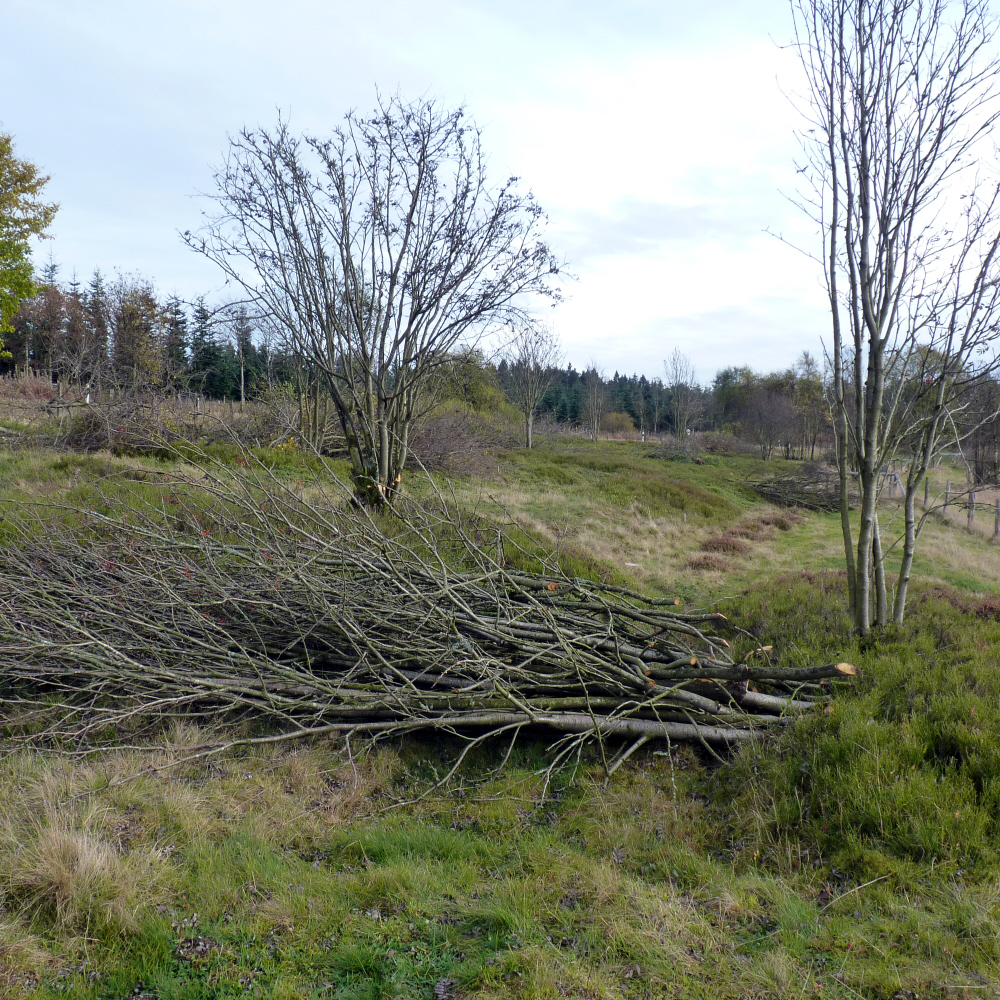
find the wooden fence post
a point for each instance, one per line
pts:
(947, 493)
(927, 490)
(972, 507)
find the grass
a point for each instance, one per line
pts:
(856, 855)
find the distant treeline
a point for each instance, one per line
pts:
(784, 412)
(784, 409)
(118, 333)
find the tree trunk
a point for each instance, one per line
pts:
(863, 572)
(881, 600)
(909, 545)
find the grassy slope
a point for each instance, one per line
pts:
(857, 857)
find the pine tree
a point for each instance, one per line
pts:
(215, 368)
(176, 336)
(95, 304)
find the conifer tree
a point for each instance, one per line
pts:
(176, 335)
(95, 304)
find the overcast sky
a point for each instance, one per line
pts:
(655, 133)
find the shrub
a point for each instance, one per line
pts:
(616, 423)
(988, 608)
(456, 438)
(754, 531)
(725, 543)
(783, 520)
(716, 443)
(31, 388)
(710, 561)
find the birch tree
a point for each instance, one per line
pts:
(900, 103)
(595, 398)
(22, 215)
(684, 398)
(532, 358)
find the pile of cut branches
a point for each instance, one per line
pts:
(812, 490)
(242, 599)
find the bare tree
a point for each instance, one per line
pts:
(378, 250)
(814, 414)
(595, 398)
(240, 331)
(532, 358)
(768, 418)
(684, 397)
(901, 97)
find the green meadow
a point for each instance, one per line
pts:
(855, 854)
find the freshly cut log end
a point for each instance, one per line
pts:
(760, 650)
(847, 669)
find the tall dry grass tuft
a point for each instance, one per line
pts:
(77, 880)
(21, 957)
(776, 975)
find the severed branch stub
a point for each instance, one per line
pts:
(240, 600)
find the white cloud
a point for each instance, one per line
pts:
(654, 133)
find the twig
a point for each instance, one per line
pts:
(857, 888)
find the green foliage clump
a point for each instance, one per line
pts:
(902, 775)
(22, 215)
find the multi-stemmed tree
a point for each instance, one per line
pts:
(378, 250)
(901, 102)
(532, 357)
(684, 397)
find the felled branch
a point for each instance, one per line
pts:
(240, 599)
